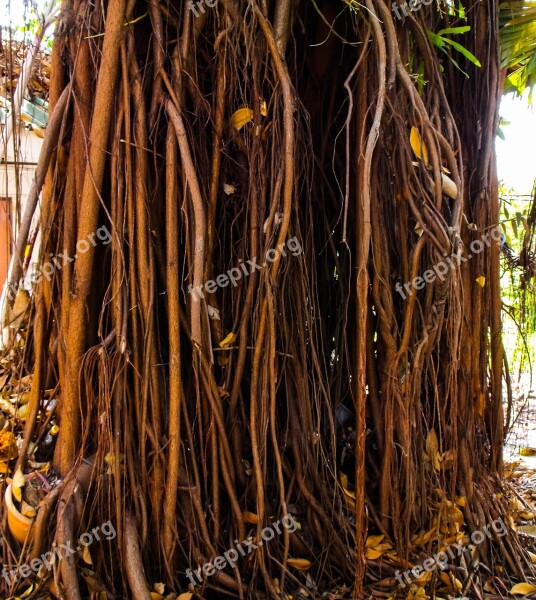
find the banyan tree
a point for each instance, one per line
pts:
(250, 205)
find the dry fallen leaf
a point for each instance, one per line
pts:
(374, 540)
(27, 510)
(300, 564)
(86, 555)
(481, 281)
(432, 449)
(241, 117)
(372, 553)
(250, 517)
(20, 306)
(228, 340)
(522, 589)
(18, 483)
(22, 412)
(8, 446)
(418, 146)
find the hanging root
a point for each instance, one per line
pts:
(134, 563)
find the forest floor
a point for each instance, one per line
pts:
(454, 582)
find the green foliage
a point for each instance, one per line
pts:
(457, 9)
(442, 42)
(518, 279)
(517, 20)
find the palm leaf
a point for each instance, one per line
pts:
(517, 19)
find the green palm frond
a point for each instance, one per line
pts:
(517, 20)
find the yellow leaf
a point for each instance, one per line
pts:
(23, 398)
(241, 117)
(22, 412)
(250, 517)
(8, 446)
(456, 515)
(432, 449)
(374, 540)
(481, 281)
(452, 583)
(527, 530)
(424, 538)
(109, 459)
(18, 483)
(54, 430)
(372, 554)
(300, 564)
(228, 340)
(521, 589)
(516, 504)
(527, 451)
(29, 591)
(159, 588)
(418, 146)
(432, 445)
(20, 307)
(424, 578)
(27, 510)
(383, 547)
(264, 108)
(86, 555)
(344, 483)
(461, 501)
(532, 556)
(185, 596)
(155, 596)
(525, 514)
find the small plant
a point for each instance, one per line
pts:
(440, 41)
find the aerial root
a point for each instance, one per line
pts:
(134, 563)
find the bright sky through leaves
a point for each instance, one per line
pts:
(516, 155)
